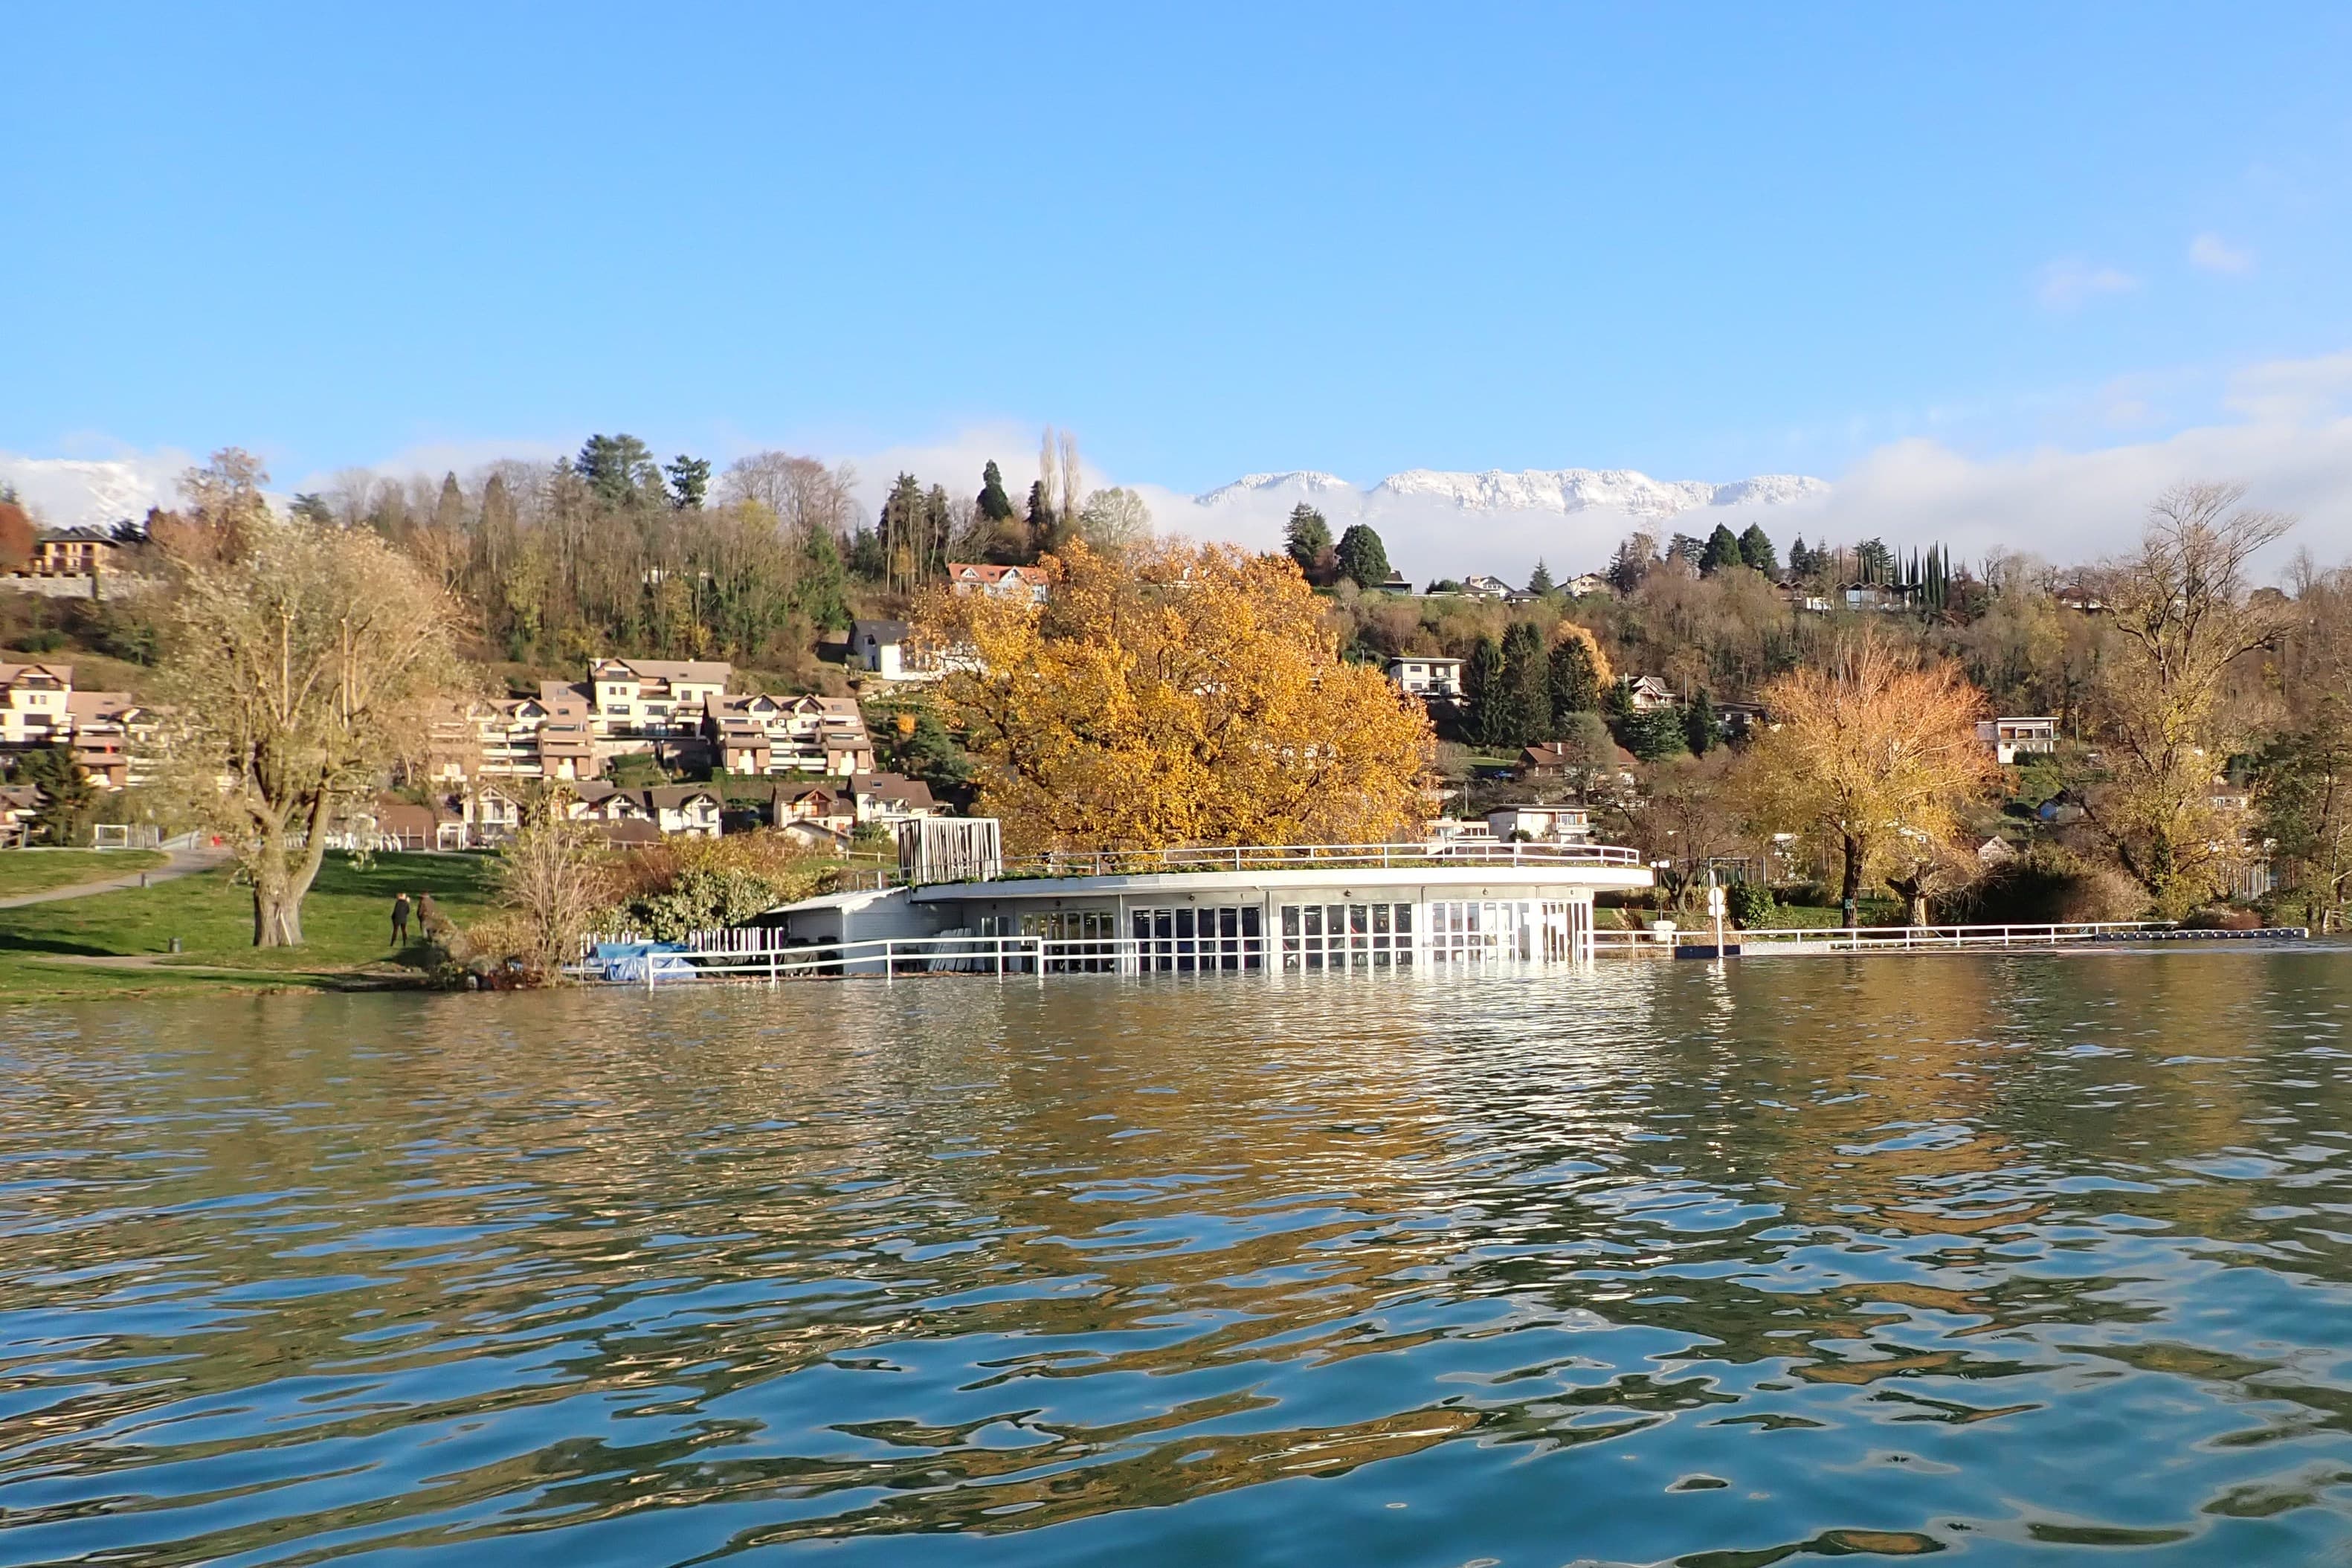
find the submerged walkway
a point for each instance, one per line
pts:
(182, 863)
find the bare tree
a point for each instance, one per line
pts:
(1071, 487)
(297, 672)
(2183, 616)
(1049, 480)
(555, 876)
(1115, 520)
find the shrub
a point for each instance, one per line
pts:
(1750, 904)
(2048, 885)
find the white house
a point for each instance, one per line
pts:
(1650, 693)
(2012, 738)
(879, 648)
(1485, 588)
(35, 705)
(656, 697)
(1426, 676)
(1540, 824)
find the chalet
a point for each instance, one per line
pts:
(1015, 582)
(1426, 676)
(1396, 582)
(1485, 588)
(822, 837)
(2012, 738)
(690, 808)
(1650, 693)
(1588, 585)
(891, 798)
(34, 704)
(824, 805)
(390, 822)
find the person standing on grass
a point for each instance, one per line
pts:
(400, 921)
(425, 915)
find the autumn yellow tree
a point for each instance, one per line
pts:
(1180, 694)
(2184, 617)
(1872, 749)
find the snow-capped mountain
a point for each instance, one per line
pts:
(1561, 490)
(67, 492)
(1305, 481)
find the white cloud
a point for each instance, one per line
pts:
(2209, 252)
(2068, 281)
(2285, 431)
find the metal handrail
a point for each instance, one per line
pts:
(1059, 864)
(1852, 939)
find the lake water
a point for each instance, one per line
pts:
(2022, 1259)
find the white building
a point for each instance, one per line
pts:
(1426, 676)
(1015, 582)
(1293, 908)
(2012, 738)
(35, 705)
(655, 698)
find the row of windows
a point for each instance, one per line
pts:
(1345, 936)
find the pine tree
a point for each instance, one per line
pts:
(1482, 681)
(1722, 550)
(1541, 584)
(1307, 536)
(1526, 687)
(820, 591)
(1687, 547)
(1801, 559)
(995, 504)
(1699, 725)
(1362, 557)
(619, 468)
(67, 795)
(690, 482)
(1756, 549)
(1575, 684)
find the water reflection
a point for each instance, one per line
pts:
(2032, 1255)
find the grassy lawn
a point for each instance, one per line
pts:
(38, 870)
(346, 923)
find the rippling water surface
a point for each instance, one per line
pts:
(2019, 1258)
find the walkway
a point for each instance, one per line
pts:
(182, 863)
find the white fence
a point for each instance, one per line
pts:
(125, 836)
(882, 958)
(1297, 857)
(1876, 938)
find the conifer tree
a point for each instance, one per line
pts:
(1307, 536)
(1541, 584)
(1362, 557)
(1575, 684)
(995, 504)
(690, 482)
(1482, 684)
(1756, 549)
(1721, 550)
(1525, 708)
(449, 512)
(1699, 725)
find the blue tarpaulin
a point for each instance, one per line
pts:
(625, 963)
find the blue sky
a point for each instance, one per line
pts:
(1699, 241)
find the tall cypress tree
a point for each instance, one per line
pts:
(1699, 725)
(1575, 684)
(1482, 684)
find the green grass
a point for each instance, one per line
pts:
(346, 924)
(38, 870)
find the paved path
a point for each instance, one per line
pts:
(182, 863)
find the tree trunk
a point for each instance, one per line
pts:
(1850, 893)
(278, 888)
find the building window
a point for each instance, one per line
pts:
(1465, 931)
(1346, 936)
(1228, 936)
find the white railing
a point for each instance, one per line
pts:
(883, 958)
(1061, 863)
(1865, 938)
(125, 836)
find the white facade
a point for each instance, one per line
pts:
(1426, 676)
(2012, 738)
